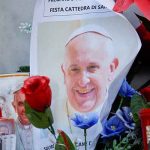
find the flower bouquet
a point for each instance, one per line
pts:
(37, 106)
(122, 129)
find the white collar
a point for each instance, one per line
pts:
(25, 127)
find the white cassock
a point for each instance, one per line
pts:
(30, 138)
(64, 113)
(24, 136)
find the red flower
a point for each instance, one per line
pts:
(143, 32)
(143, 5)
(37, 92)
(146, 93)
(122, 5)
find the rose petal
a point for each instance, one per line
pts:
(122, 5)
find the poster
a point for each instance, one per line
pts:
(16, 132)
(7, 134)
(8, 84)
(63, 33)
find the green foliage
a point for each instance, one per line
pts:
(24, 69)
(39, 119)
(128, 141)
(64, 142)
(137, 103)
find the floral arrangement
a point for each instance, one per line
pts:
(120, 131)
(37, 105)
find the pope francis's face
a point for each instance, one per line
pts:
(19, 107)
(88, 70)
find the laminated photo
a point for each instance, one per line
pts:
(86, 50)
(16, 131)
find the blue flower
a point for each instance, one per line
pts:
(126, 116)
(112, 127)
(126, 90)
(85, 121)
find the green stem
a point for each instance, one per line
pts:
(120, 103)
(51, 129)
(85, 139)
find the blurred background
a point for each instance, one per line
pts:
(15, 27)
(14, 44)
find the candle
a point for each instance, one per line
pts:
(144, 115)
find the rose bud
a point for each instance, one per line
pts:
(37, 92)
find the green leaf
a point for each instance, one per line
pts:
(39, 119)
(64, 142)
(137, 103)
(129, 147)
(49, 115)
(24, 69)
(114, 142)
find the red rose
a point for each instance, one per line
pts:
(37, 92)
(146, 93)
